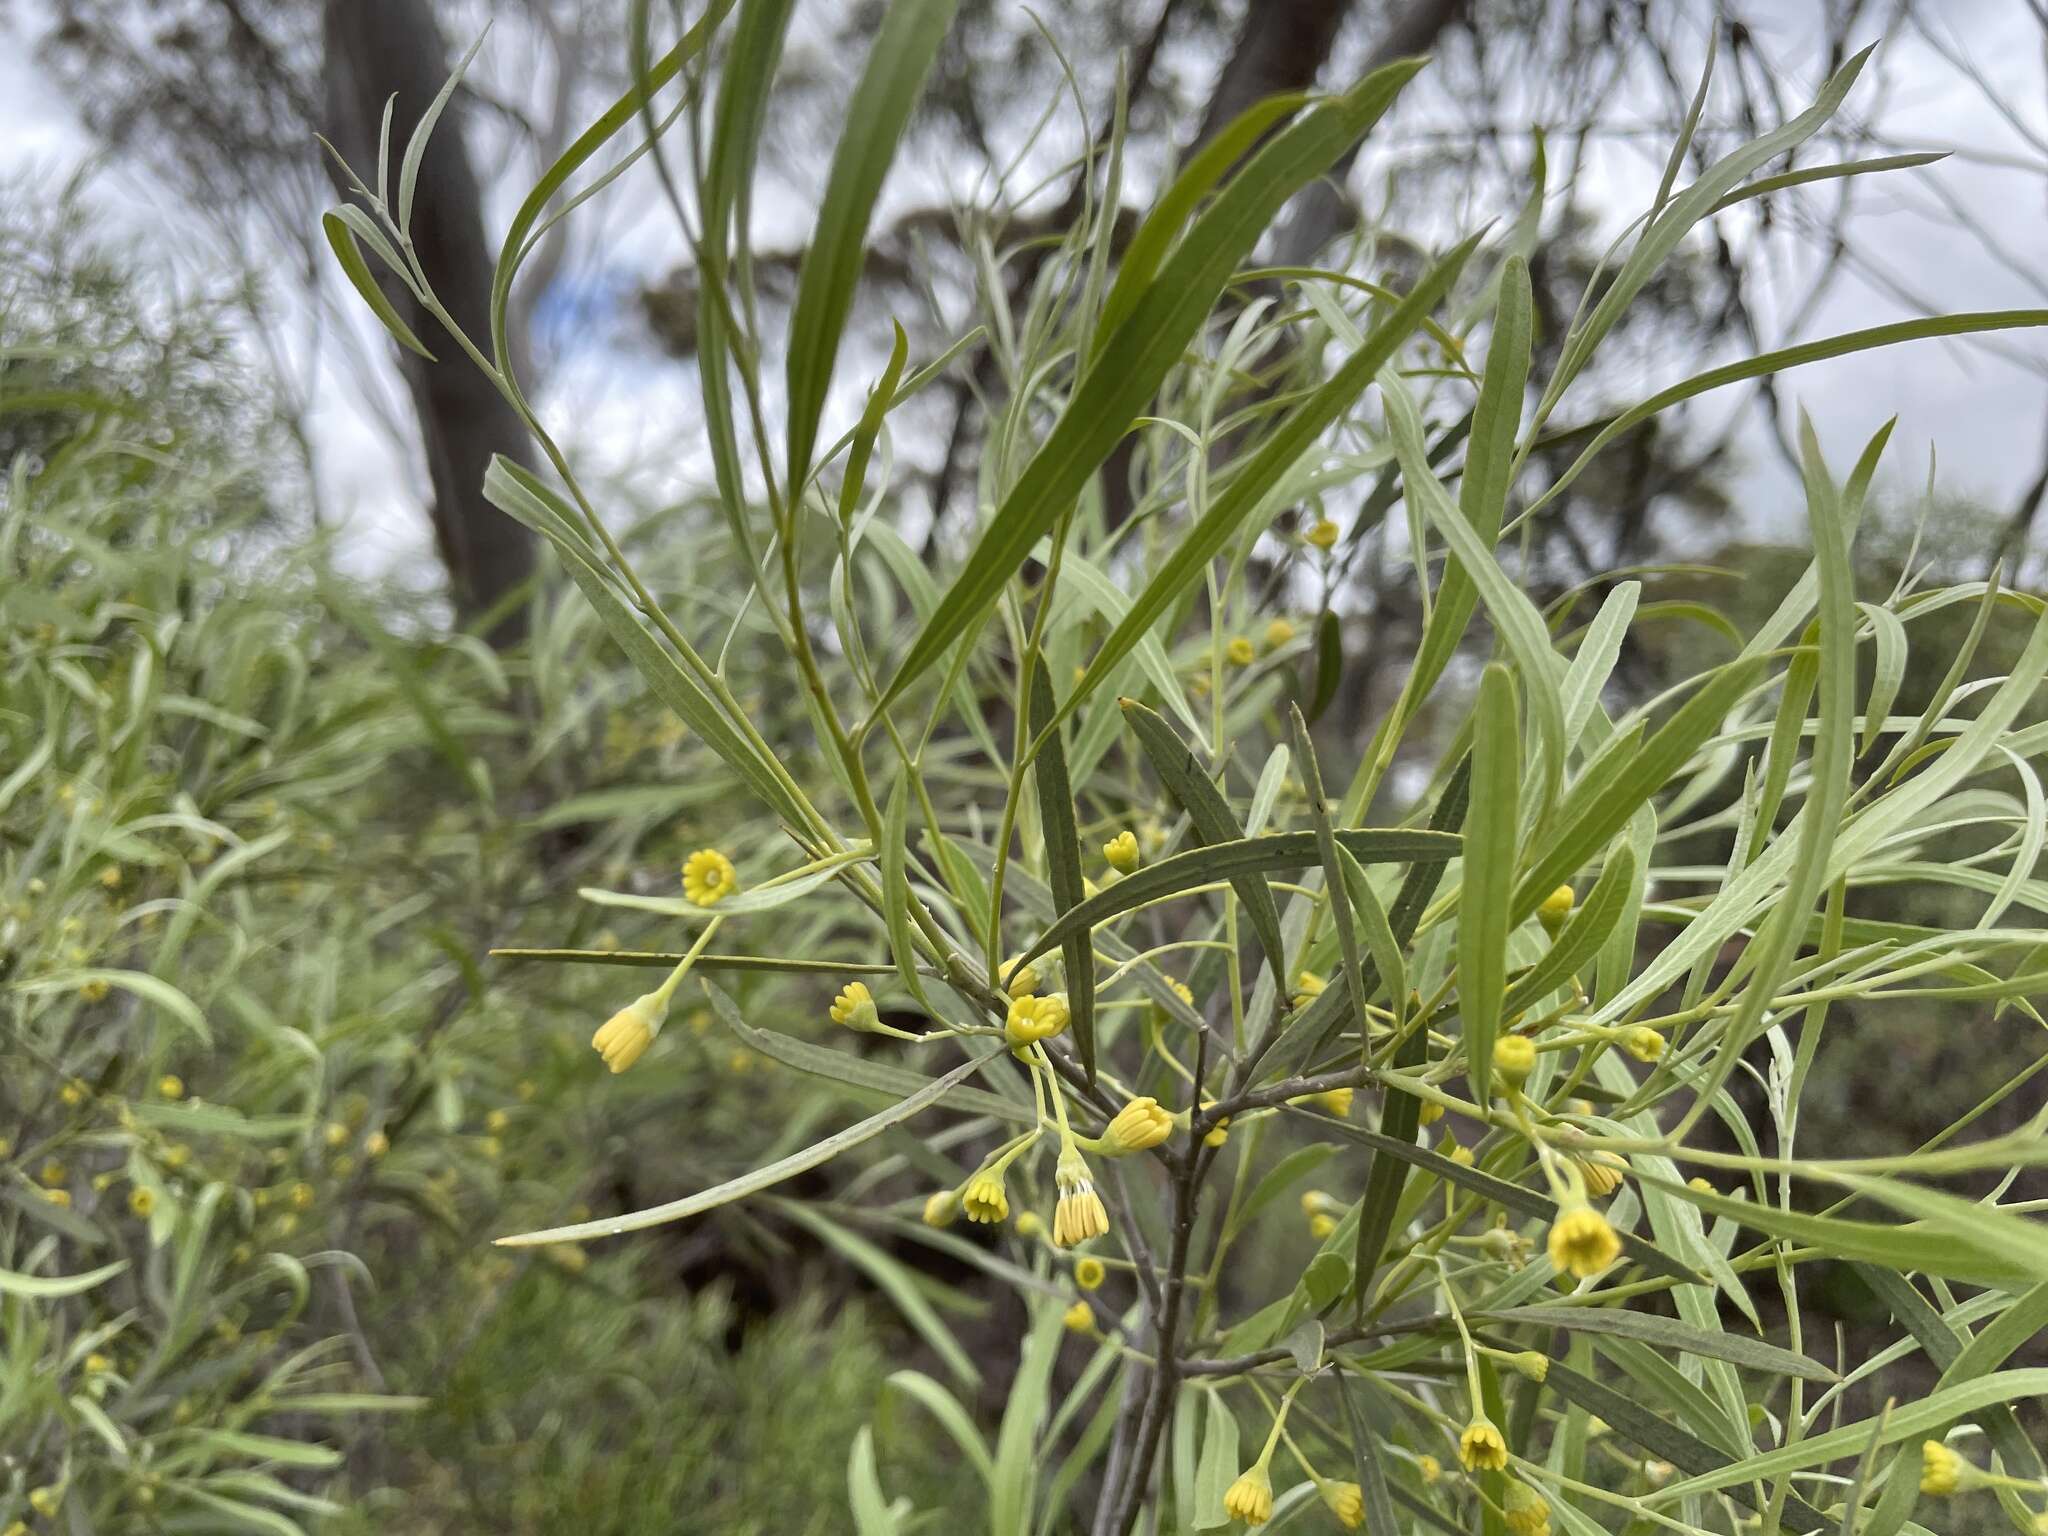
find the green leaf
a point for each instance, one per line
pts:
(904, 49)
(896, 1281)
(1667, 1333)
(343, 243)
(1210, 818)
(1218, 1467)
(1140, 352)
(864, 1497)
(54, 1287)
(1489, 872)
(1333, 869)
(1063, 863)
(423, 131)
(953, 1418)
(896, 890)
(761, 1178)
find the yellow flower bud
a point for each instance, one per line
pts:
(1347, 1502)
(1122, 852)
(1704, 1186)
(1321, 1225)
(1308, 986)
(1139, 1126)
(941, 1208)
(624, 1037)
(1089, 1273)
(46, 1500)
(1941, 1469)
(1556, 910)
(1250, 1498)
(1482, 1448)
(1532, 1364)
(98, 1364)
(1079, 1318)
(1023, 981)
(1431, 1112)
(1514, 1058)
(171, 1086)
(141, 1201)
(1643, 1043)
(1323, 535)
(61, 1198)
(53, 1172)
(1601, 1173)
(1240, 652)
(1582, 1243)
(1428, 1468)
(1527, 1511)
(1337, 1101)
(335, 1133)
(302, 1196)
(376, 1144)
(73, 1093)
(854, 1009)
(1278, 633)
(708, 877)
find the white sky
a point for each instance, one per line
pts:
(1984, 409)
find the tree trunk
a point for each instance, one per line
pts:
(377, 50)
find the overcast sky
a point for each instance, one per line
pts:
(1921, 238)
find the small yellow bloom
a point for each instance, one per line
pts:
(61, 1198)
(1941, 1469)
(1219, 1133)
(1029, 1224)
(74, 1093)
(1250, 1498)
(708, 877)
(1240, 652)
(1704, 1186)
(303, 1196)
(1023, 980)
(1556, 910)
(94, 991)
(1582, 1243)
(623, 1038)
(141, 1201)
(1035, 1018)
(497, 1122)
(526, 1088)
(1528, 1512)
(854, 1008)
(1321, 1225)
(1514, 1058)
(53, 1173)
(110, 877)
(1089, 1273)
(1337, 1101)
(1308, 986)
(1601, 1173)
(1428, 1468)
(1462, 1155)
(1323, 535)
(171, 1086)
(376, 1144)
(1139, 1126)
(1482, 1448)
(1122, 852)
(176, 1156)
(98, 1364)
(45, 1500)
(1278, 633)
(1643, 1043)
(335, 1132)
(1079, 1318)
(941, 1208)
(1080, 1214)
(1431, 1112)
(1346, 1502)
(984, 1200)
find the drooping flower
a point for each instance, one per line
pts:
(1601, 1172)
(1346, 1502)
(1482, 1448)
(1080, 1213)
(1582, 1243)
(1527, 1511)
(984, 1199)
(1941, 1469)
(1122, 852)
(1139, 1126)
(854, 1008)
(1337, 1101)
(708, 877)
(1250, 1498)
(1079, 1318)
(623, 1038)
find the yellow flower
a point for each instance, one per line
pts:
(1528, 1512)
(1514, 1058)
(624, 1037)
(1250, 1498)
(171, 1086)
(1481, 1448)
(1337, 1101)
(1582, 1243)
(1122, 852)
(1347, 1503)
(176, 1156)
(73, 1093)
(98, 1364)
(1321, 1225)
(1556, 910)
(708, 877)
(1323, 535)
(1035, 1018)
(1089, 1274)
(1602, 1173)
(45, 1500)
(303, 1196)
(376, 1144)
(941, 1208)
(1029, 1224)
(141, 1201)
(58, 1197)
(110, 877)
(1138, 1126)
(1278, 633)
(1080, 1214)
(1240, 652)
(1428, 1468)
(497, 1121)
(1079, 1318)
(1024, 979)
(1643, 1043)
(1704, 1186)
(53, 1172)
(1308, 986)
(1462, 1155)
(335, 1133)
(1941, 1469)
(984, 1200)
(94, 991)
(854, 1008)
(1431, 1112)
